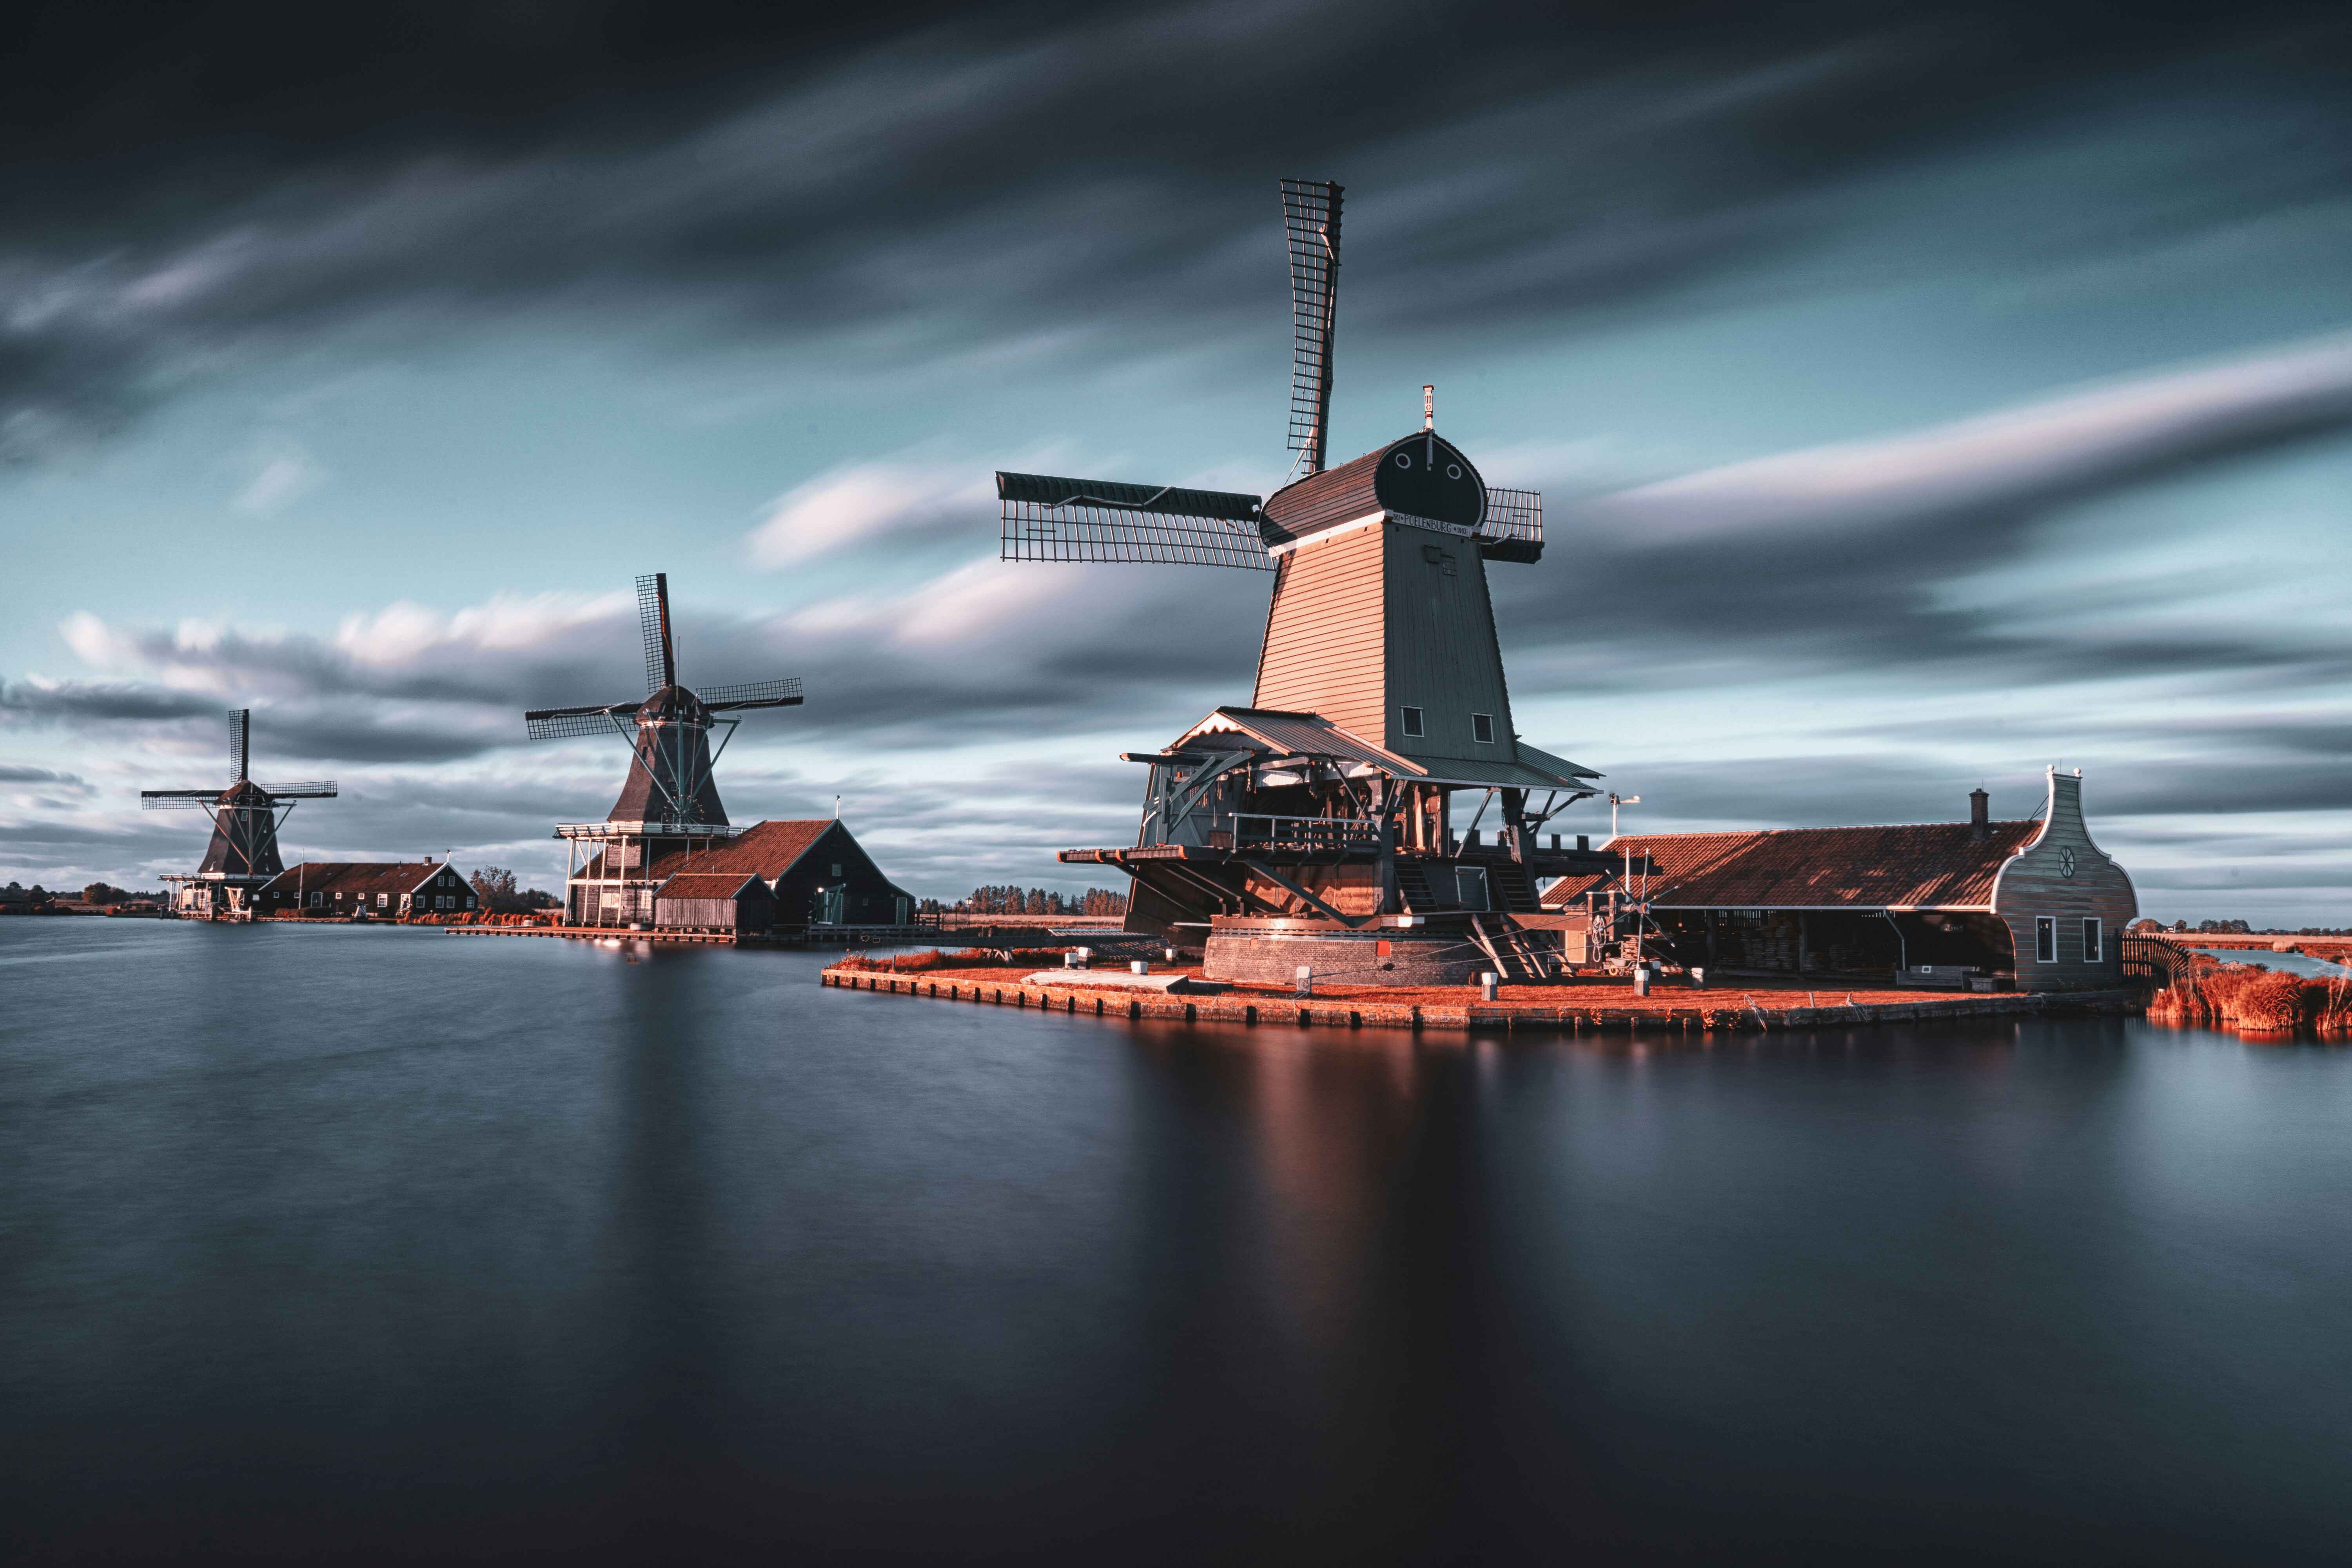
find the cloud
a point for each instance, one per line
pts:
(284, 475)
(865, 504)
(2032, 458)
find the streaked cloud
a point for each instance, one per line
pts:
(2062, 449)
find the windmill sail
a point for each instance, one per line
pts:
(785, 693)
(1046, 517)
(243, 851)
(1310, 211)
(653, 623)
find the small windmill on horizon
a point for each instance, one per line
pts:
(1324, 806)
(669, 799)
(243, 855)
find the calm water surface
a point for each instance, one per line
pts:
(389, 1241)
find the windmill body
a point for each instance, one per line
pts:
(242, 856)
(1315, 826)
(668, 805)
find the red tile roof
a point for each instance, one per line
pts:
(764, 849)
(1926, 866)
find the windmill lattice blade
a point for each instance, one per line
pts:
(785, 693)
(652, 625)
(240, 739)
(1310, 212)
(556, 723)
(177, 799)
(308, 789)
(1513, 523)
(1048, 518)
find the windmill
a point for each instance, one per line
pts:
(1379, 692)
(243, 855)
(669, 801)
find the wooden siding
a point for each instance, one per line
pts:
(1440, 656)
(1325, 652)
(2036, 883)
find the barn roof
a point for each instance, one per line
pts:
(1935, 865)
(356, 876)
(708, 885)
(766, 849)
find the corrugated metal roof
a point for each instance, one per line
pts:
(1933, 865)
(1496, 773)
(1535, 758)
(1286, 733)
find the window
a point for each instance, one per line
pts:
(317, 898)
(382, 900)
(1482, 728)
(2046, 939)
(469, 901)
(836, 867)
(1412, 722)
(2091, 951)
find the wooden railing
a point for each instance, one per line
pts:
(1306, 833)
(2154, 961)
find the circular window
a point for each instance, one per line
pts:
(1453, 471)
(1404, 460)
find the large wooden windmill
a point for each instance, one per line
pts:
(1305, 828)
(243, 855)
(669, 801)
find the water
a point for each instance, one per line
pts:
(383, 1239)
(2303, 963)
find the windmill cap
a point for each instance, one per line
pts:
(1422, 475)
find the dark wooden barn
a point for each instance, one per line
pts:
(2033, 904)
(734, 902)
(818, 873)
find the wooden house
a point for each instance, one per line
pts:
(367, 890)
(2034, 904)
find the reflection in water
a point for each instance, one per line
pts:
(496, 1246)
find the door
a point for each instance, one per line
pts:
(829, 905)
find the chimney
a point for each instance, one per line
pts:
(1980, 816)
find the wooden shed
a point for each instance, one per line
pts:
(734, 902)
(2034, 904)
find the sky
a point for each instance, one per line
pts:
(1923, 396)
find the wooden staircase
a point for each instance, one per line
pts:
(1516, 959)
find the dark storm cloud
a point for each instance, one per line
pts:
(99, 702)
(236, 174)
(16, 773)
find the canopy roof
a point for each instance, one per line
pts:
(1279, 734)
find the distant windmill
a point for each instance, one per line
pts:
(1379, 685)
(242, 854)
(668, 799)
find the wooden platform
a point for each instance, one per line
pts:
(1570, 1010)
